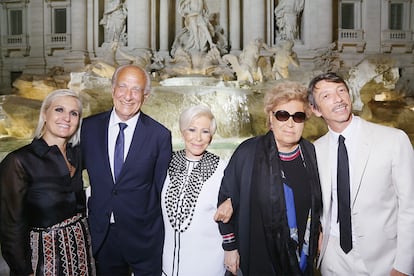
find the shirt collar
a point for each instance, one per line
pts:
(348, 131)
(114, 120)
(41, 148)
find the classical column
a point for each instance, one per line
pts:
(139, 22)
(36, 62)
(154, 25)
(317, 30)
(254, 19)
(5, 78)
(92, 28)
(235, 25)
(78, 24)
(78, 56)
(224, 17)
(164, 25)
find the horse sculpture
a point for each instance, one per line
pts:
(246, 66)
(369, 69)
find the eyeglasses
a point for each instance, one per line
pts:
(283, 115)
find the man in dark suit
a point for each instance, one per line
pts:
(124, 209)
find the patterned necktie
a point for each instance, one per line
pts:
(344, 209)
(119, 150)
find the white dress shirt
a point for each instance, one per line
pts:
(351, 147)
(113, 131)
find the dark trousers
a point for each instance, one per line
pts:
(111, 259)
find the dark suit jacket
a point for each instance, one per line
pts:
(135, 198)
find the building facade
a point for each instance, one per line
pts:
(38, 35)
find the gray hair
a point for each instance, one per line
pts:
(47, 102)
(114, 80)
(194, 112)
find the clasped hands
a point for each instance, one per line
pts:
(231, 258)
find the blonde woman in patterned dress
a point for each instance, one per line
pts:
(43, 229)
(192, 244)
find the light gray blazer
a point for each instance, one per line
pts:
(382, 199)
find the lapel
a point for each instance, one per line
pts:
(102, 142)
(364, 138)
(325, 174)
(138, 137)
(322, 147)
(138, 144)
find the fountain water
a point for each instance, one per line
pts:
(201, 71)
(238, 108)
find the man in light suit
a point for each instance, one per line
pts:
(381, 188)
(124, 209)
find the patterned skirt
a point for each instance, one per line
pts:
(62, 249)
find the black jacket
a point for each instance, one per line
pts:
(36, 190)
(256, 163)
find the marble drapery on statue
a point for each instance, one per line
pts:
(202, 31)
(246, 66)
(287, 14)
(114, 21)
(283, 56)
(197, 24)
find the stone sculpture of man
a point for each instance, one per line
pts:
(283, 56)
(287, 14)
(195, 13)
(114, 20)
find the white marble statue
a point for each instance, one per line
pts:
(381, 71)
(246, 65)
(196, 22)
(142, 59)
(219, 37)
(114, 21)
(287, 14)
(283, 56)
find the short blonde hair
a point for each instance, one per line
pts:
(194, 112)
(47, 102)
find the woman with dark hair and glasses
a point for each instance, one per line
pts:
(273, 186)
